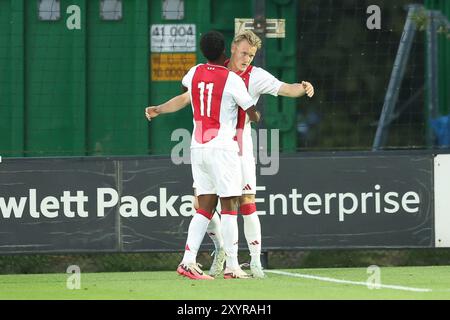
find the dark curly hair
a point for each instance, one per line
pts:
(212, 45)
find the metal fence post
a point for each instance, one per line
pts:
(432, 73)
(397, 74)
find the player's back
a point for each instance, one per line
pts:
(215, 93)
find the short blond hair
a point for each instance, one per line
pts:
(251, 38)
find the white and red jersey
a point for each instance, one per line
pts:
(258, 81)
(216, 95)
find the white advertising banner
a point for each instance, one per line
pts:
(442, 200)
(172, 38)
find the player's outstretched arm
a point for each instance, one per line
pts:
(254, 115)
(296, 90)
(173, 105)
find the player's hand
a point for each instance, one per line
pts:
(151, 112)
(309, 89)
(258, 114)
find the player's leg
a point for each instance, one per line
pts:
(229, 188)
(231, 238)
(207, 201)
(252, 225)
(198, 226)
(196, 232)
(252, 231)
(215, 233)
(213, 230)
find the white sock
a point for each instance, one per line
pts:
(196, 232)
(252, 231)
(214, 232)
(230, 236)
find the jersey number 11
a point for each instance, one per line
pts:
(209, 88)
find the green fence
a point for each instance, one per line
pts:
(83, 91)
(443, 56)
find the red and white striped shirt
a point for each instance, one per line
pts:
(258, 81)
(216, 94)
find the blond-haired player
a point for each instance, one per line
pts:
(258, 81)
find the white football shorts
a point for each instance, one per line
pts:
(248, 167)
(216, 171)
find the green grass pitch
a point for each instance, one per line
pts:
(169, 286)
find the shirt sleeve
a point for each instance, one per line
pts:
(187, 79)
(264, 82)
(239, 91)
